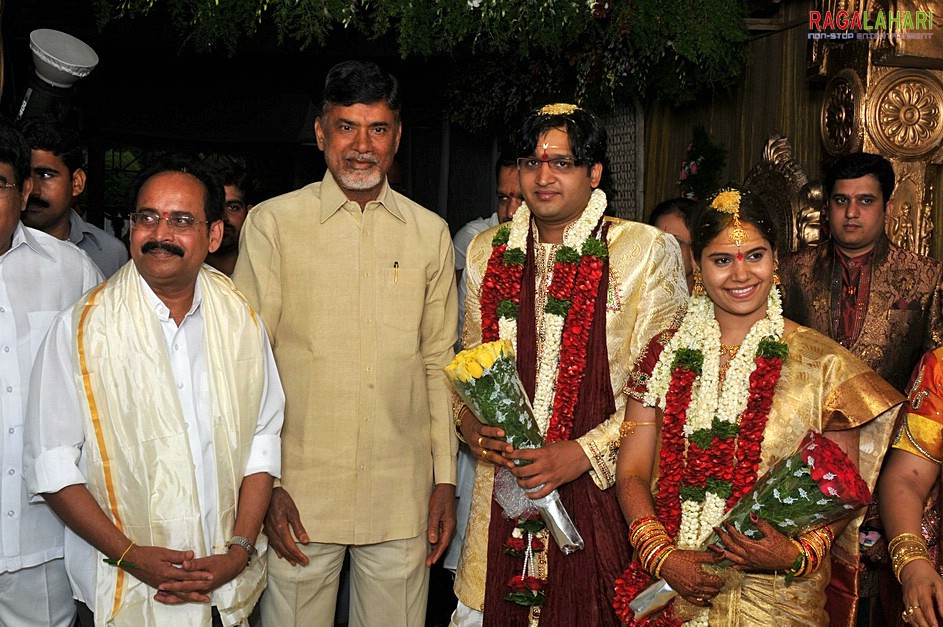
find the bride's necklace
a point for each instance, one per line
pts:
(730, 350)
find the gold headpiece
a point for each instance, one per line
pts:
(560, 108)
(728, 201)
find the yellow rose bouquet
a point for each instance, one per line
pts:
(486, 378)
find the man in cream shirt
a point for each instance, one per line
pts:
(357, 287)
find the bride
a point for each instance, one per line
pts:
(711, 409)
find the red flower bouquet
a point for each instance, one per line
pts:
(814, 486)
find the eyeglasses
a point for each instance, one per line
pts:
(559, 166)
(178, 222)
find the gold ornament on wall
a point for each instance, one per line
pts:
(904, 113)
(841, 117)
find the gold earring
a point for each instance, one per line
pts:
(776, 280)
(698, 289)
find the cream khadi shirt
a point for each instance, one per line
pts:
(361, 310)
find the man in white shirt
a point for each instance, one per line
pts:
(162, 458)
(39, 275)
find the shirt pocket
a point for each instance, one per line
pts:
(39, 323)
(404, 297)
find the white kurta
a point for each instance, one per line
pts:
(39, 276)
(55, 432)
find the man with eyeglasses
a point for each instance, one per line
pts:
(356, 283)
(39, 276)
(580, 295)
(58, 180)
(154, 420)
(238, 197)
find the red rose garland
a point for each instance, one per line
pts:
(584, 287)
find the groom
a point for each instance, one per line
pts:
(580, 295)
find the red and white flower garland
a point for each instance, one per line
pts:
(577, 270)
(568, 314)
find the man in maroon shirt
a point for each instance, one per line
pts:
(878, 300)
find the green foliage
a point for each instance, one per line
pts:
(688, 358)
(557, 306)
(771, 348)
(507, 308)
(511, 55)
(514, 257)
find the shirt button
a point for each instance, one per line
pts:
(179, 386)
(3, 309)
(369, 369)
(12, 430)
(6, 349)
(11, 513)
(9, 388)
(12, 471)
(176, 347)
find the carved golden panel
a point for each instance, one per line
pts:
(904, 113)
(842, 113)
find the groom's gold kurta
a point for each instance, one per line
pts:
(647, 293)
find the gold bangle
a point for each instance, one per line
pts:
(656, 569)
(458, 422)
(903, 538)
(900, 567)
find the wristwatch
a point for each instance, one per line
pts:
(245, 544)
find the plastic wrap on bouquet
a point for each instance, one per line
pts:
(815, 486)
(486, 379)
(513, 500)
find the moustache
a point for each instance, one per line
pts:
(171, 248)
(362, 158)
(36, 201)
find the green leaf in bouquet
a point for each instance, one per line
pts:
(692, 493)
(533, 524)
(719, 487)
(771, 347)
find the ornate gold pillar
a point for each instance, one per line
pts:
(884, 94)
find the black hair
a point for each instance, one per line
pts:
(214, 200)
(589, 140)
(685, 207)
(15, 151)
(231, 171)
(588, 137)
(861, 164)
(360, 82)
(709, 222)
(53, 136)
